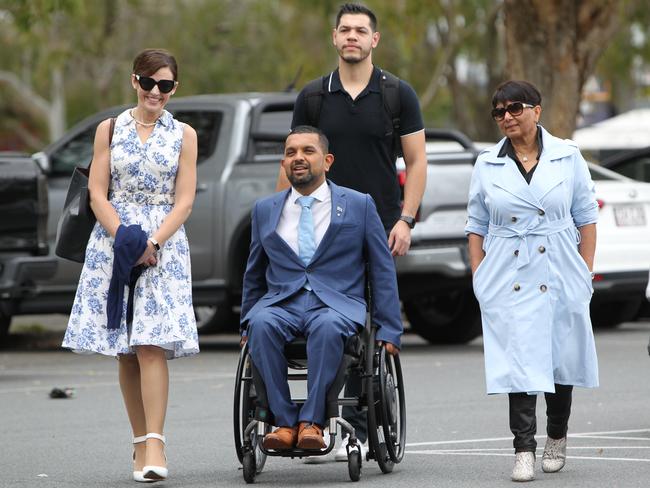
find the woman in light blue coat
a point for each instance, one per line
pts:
(532, 235)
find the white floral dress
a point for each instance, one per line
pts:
(142, 192)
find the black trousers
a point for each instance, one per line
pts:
(356, 416)
(523, 421)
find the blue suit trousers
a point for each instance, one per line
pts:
(271, 328)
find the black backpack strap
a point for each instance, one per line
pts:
(389, 85)
(313, 94)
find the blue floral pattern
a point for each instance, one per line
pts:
(142, 192)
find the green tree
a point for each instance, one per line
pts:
(627, 57)
(560, 52)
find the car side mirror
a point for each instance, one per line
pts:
(42, 160)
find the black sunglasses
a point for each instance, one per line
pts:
(515, 109)
(147, 84)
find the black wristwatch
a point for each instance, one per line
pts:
(409, 220)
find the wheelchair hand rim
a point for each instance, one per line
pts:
(393, 409)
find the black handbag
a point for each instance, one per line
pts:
(77, 220)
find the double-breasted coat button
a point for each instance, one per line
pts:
(514, 219)
(516, 287)
(516, 252)
(543, 288)
(541, 212)
(542, 249)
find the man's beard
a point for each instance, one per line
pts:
(354, 59)
(301, 181)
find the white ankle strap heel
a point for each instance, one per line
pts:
(156, 473)
(139, 475)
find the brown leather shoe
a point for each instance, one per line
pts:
(281, 438)
(310, 436)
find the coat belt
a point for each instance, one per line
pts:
(545, 228)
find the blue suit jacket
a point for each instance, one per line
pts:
(336, 272)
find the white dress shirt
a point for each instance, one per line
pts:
(321, 211)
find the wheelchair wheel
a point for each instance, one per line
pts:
(392, 405)
(354, 465)
(243, 414)
(250, 467)
(386, 409)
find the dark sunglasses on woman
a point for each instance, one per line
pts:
(515, 109)
(147, 84)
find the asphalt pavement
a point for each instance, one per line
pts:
(457, 435)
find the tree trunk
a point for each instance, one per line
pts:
(56, 117)
(555, 44)
(53, 112)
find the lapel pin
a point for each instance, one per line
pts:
(339, 211)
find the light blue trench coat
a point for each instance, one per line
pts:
(533, 286)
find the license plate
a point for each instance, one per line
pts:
(629, 215)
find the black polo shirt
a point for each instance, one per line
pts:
(358, 131)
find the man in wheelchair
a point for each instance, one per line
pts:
(311, 247)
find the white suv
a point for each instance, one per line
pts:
(622, 248)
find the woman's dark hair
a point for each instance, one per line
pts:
(151, 60)
(356, 9)
(516, 91)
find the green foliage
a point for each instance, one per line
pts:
(628, 56)
(450, 51)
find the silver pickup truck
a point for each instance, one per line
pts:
(239, 151)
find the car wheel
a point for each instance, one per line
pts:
(211, 320)
(610, 314)
(450, 318)
(5, 322)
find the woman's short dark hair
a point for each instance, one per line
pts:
(356, 9)
(151, 60)
(516, 91)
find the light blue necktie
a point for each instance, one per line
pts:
(306, 237)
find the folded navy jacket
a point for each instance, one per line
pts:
(130, 243)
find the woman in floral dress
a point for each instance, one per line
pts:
(146, 177)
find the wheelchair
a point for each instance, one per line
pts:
(382, 397)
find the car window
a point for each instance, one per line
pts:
(595, 175)
(637, 168)
(207, 125)
(276, 122)
(75, 152)
(603, 174)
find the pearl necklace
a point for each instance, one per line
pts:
(143, 124)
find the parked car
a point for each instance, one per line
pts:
(23, 239)
(622, 256)
(434, 277)
(634, 164)
(240, 145)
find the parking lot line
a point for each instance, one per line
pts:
(600, 435)
(633, 448)
(464, 453)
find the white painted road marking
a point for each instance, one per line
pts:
(507, 452)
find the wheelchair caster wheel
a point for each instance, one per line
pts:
(250, 467)
(354, 465)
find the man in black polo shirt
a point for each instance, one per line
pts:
(354, 118)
